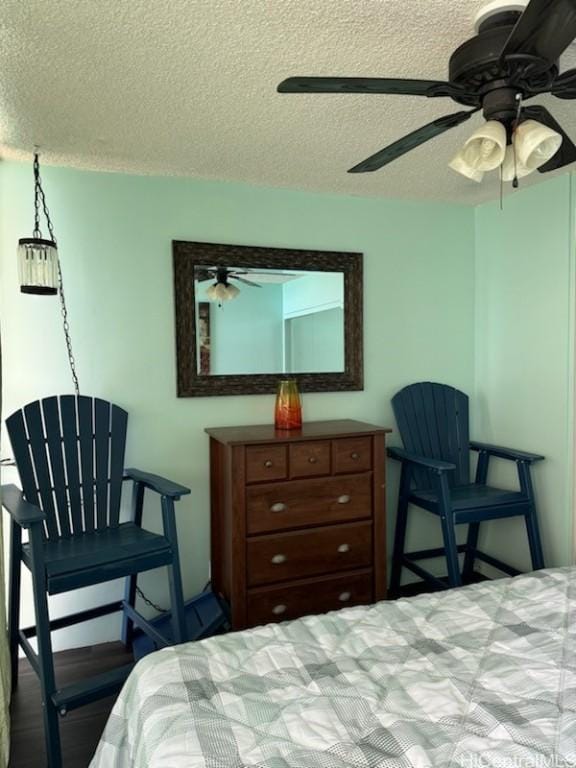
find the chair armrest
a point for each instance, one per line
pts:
(421, 461)
(20, 510)
(156, 483)
(504, 453)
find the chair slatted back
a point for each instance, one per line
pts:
(70, 455)
(433, 422)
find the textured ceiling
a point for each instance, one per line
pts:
(187, 87)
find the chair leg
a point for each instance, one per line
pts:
(45, 660)
(470, 555)
(127, 631)
(400, 533)
(532, 528)
(449, 535)
(449, 532)
(174, 575)
(14, 598)
(534, 541)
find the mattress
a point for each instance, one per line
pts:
(479, 676)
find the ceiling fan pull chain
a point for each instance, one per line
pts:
(518, 109)
(514, 126)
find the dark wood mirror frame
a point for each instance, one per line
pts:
(188, 255)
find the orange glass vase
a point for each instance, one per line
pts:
(288, 411)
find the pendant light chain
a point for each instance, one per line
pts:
(37, 190)
(66, 328)
(40, 197)
(40, 201)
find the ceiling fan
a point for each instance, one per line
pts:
(512, 58)
(222, 289)
(223, 274)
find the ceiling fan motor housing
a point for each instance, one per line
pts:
(477, 66)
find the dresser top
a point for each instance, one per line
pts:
(311, 430)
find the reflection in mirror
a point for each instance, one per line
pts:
(268, 321)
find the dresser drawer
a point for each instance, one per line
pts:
(286, 556)
(309, 458)
(266, 462)
(291, 601)
(279, 506)
(353, 454)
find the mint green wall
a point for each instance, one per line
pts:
(524, 353)
(313, 292)
(315, 341)
(115, 235)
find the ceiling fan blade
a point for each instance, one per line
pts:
(202, 275)
(545, 29)
(369, 85)
(257, 272)
(567, 152)
(411, 141)
(246, 282)
(564, 87)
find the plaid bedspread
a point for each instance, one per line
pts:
(479, 676)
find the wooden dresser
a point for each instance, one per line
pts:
(298, 521)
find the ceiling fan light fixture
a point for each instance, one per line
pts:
(459, 164)
(512, 167)
(222, 292)
(535, 144)
(232, 291)
(485, 149)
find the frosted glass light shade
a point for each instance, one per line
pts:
(38, 266)
(511, 169)
(232, 291)
(485, 149)
(460, 165)
(221, 292)
(535, 143)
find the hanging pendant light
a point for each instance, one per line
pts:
(39, 267)
(38, 256)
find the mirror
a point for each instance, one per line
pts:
(247, 317)
(254, 321)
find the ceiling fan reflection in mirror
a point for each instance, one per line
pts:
(512, 58)
(222, 289)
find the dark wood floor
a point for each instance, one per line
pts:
(80, 730)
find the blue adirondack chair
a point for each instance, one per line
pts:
(70, 455)
(435, 476)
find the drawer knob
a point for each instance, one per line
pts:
(344, 499)
(278, 610)
(268, 463)
(279, 559)
(312, 459)
(344, 597)
(344, 548)
(278, 507)
(355, 455)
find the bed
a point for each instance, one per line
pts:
(479, 676)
